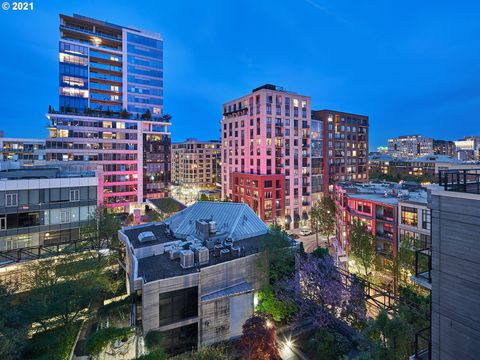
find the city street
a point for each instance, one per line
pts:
(309, 241)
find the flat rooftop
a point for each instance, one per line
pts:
(166, 205)
(158, 229)
(159, 267)
(385, 192)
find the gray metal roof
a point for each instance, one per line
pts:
(237, 220)
(241, 288)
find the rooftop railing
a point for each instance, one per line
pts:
(461, 180)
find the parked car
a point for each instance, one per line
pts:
(305, 232)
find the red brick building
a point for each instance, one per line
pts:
(265, 194)
(344, 149)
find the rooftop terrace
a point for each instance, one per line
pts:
(385, 192)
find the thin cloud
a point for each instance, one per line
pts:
(326, 11)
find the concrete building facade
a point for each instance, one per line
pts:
(453, 275)
(195, 275)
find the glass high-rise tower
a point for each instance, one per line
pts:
(111, 108)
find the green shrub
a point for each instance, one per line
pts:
(153, 340)
(320, 252)
(100, 339)
(329, 344)
(158, 354)
(269, 304)
(210, 353)
(54, 344)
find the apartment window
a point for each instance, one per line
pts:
(409, 216)
(426, 219)
(364, 208)
(178, 305)
(74, 195)
(3, 223)
(11, 200)
(65, 216)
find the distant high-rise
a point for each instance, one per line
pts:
(444, 147)
(111, 108)
(468, 148)
(410, 146)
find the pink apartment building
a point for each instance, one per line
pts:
(266, 154)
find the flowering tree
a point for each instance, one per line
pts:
(258, 341)
(321, 294)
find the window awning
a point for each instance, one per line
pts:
(241, 288)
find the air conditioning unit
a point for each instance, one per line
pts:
(212, 227)
(224, 253)
(217, 249)
(202, 255)
(146, 236)
(174, 254)
(236, 251)
(187, 259)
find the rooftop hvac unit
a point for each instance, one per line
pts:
(202, 255)
(236, 251)
(174, 254)
(212, 226)
(187, 259)
(202, 229)
(146, 236)
(210, 243)
(217, 249)
(224, 253)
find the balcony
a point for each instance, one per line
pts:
(423, 268)
(385, 235)
(97, 34)
(386, 218)
(388, 254)
(423, 345)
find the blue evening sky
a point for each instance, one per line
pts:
(412, 66)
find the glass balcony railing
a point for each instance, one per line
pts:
(85, 31)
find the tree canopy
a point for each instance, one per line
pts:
(323, 217)
(258, 340)
(361, 247)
